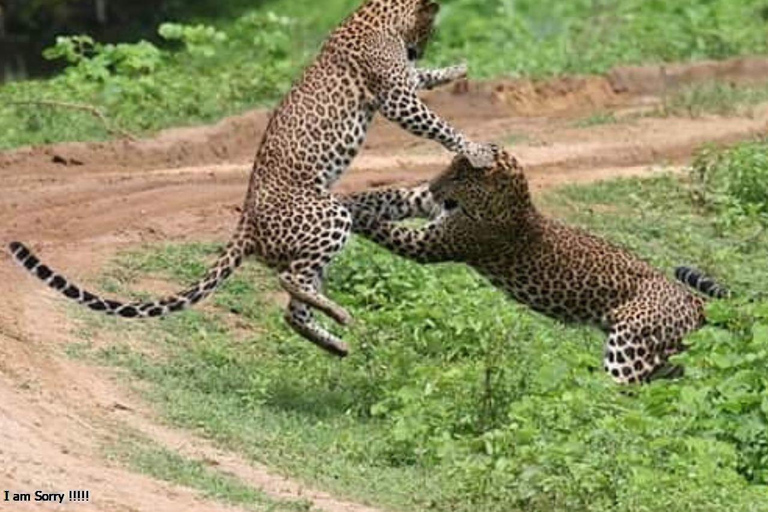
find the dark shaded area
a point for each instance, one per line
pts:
(27, 27)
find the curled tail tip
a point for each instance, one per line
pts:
(16, 248)
(699, 281)
(179, 302)
(682, 272)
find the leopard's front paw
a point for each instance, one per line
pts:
(481, 156)
(457, 72)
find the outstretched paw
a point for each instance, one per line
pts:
(481, 156)
(458, 72)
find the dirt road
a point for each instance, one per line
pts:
(78, 204)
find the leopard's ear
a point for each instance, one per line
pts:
(432, 8)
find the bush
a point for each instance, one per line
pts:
(734, 183)
(726, 395)
(535, 37)
(211, 74)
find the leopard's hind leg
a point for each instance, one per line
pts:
(303, 283)
(299, 317)
(633, 354)
(649, 330)
(303, 279)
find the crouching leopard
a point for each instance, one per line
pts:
(290, 220)
(486, 219)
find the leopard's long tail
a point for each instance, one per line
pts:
(233, 256)
(702, 283)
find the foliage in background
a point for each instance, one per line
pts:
(143, 87)
(42, 20)
(27, 27)
(715, 98)
(734, 183)
(456, 399)
(530, 37)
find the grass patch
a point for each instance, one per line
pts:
(716, 98)
(514, 139)
(657, 219)
(200, 73)
(732, 183)
(713, 98)
(455, 398)
(597, 119)
(146, 457)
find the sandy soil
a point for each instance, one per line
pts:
(78, 204)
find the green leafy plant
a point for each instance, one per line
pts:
(716, 98)
(210, 73)
(733, 182)
(199, 40)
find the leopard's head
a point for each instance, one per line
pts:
(497, 195)
(412, 20)
(418, 30)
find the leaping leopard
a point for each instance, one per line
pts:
(486, 219)
(290, 220)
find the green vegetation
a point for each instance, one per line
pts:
(143, 455)
(202, 73)
(456, 399)
(716, 98)
(597, 119)
(713, 98)
(733, 183)
(584, 36)
(141, 87)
